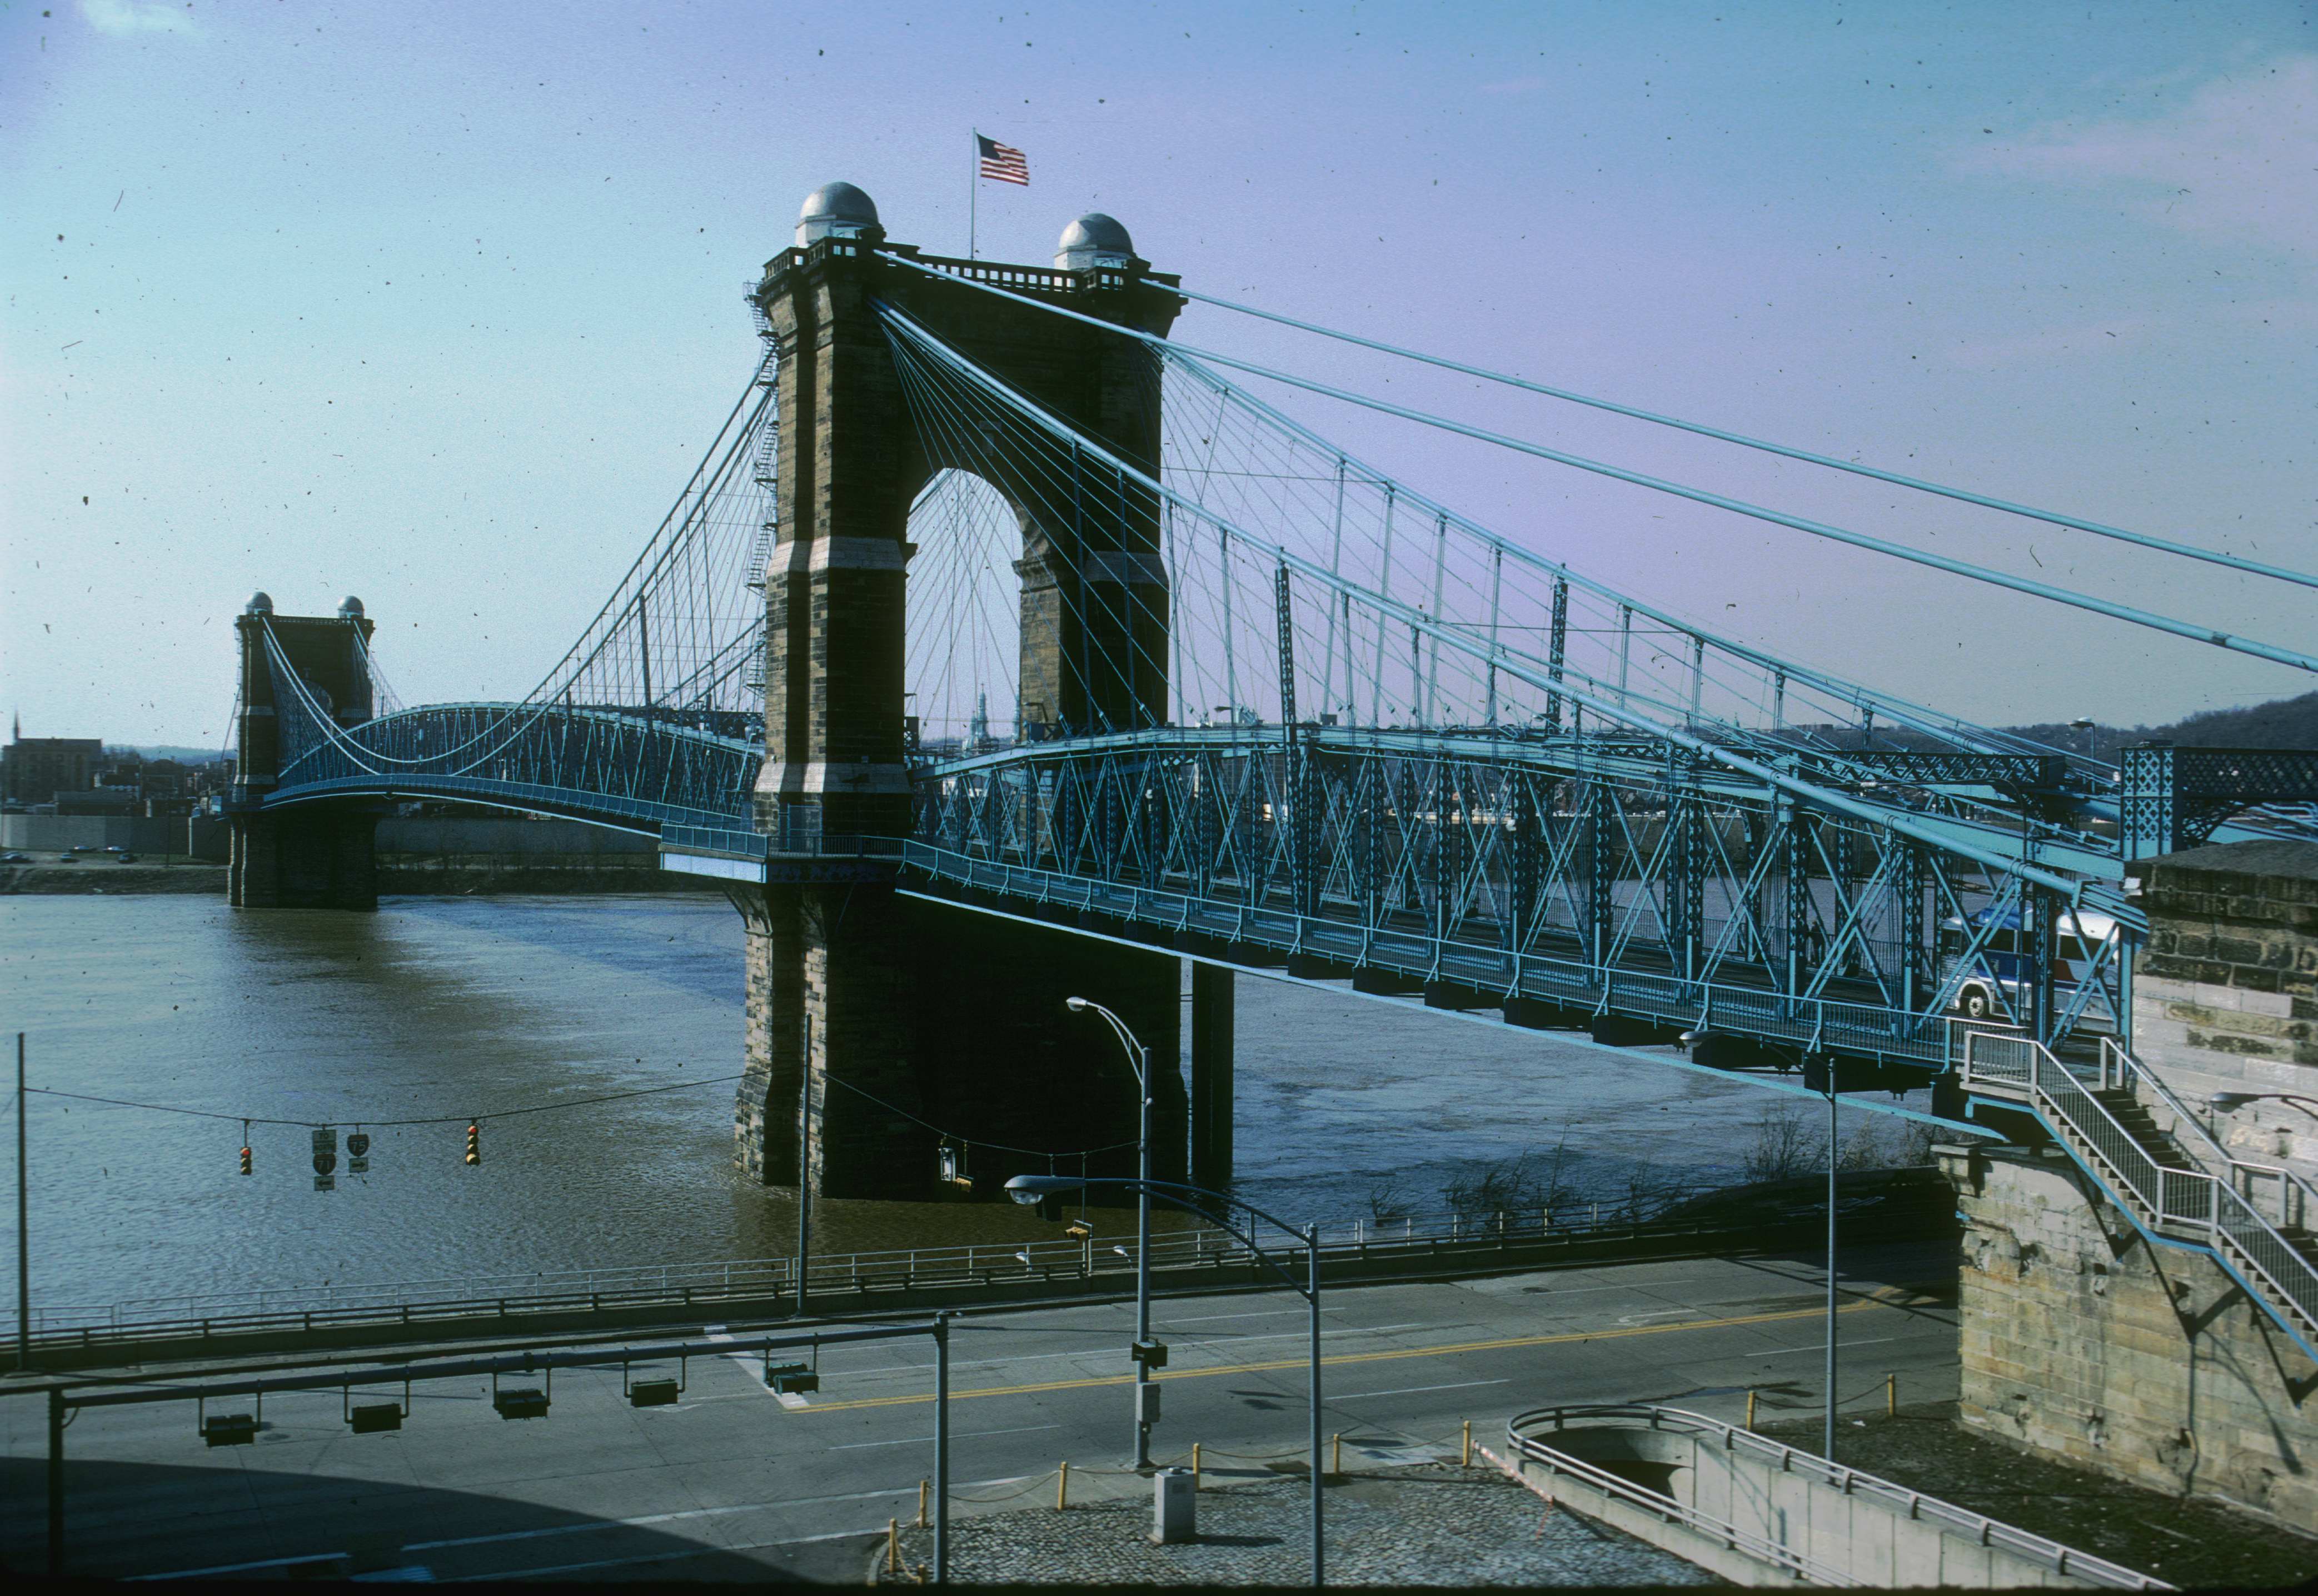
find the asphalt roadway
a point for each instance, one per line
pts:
(736, 1482)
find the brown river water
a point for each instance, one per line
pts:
(453, 1007)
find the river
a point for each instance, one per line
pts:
(453, 1007)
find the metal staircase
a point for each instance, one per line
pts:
(2152, 1158)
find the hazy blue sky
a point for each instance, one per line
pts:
(435, 304)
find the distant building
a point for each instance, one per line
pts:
(36, 769)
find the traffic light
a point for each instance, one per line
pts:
(245, 1160)
(474, 1145)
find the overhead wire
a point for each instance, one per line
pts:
(249, 1119)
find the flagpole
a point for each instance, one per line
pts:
(972, 192)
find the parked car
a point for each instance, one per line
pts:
(124, 858)
(114, 847)
(67, 858)
(16, 858)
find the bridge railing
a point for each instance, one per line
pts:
(1813, 1023)
(201, 1316)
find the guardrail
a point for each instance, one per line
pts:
(2191, 1205)
(997, 1263)
(1899, 1500)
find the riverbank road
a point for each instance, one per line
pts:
(734, 1480)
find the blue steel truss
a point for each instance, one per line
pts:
(1583, 809)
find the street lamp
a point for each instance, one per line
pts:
(1032, 1188)
(1834, 1143)
(1138, 1058)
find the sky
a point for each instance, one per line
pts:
(437, 303)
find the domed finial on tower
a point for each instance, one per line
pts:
(352, 610)
(837, 210)
(1094, 240)
(260, 604)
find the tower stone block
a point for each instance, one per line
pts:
(887, 1016)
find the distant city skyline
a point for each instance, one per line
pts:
(436, 305)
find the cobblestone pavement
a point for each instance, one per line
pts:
(1429, 1524)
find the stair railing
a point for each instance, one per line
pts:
(2189, 1203)
(2294, 1200)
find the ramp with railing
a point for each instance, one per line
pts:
(1760, 1512)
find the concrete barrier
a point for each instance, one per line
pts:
(1760, 1513)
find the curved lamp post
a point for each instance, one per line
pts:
(2227, 1102)
(1197, 1199)
(1138, 1058)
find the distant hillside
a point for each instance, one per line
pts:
(2281, 723)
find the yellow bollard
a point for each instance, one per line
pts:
(1063, 1486)
(1468, 1452)
(1195, 1466)
(922, 1502)
(1750, 1410)
(1892, 1397)
(892, 1546)
(1336, 1457)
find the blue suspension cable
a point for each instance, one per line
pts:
(2083, 601)
(1963, 495)
(1506, 659)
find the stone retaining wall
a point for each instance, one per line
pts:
(2081, 1339)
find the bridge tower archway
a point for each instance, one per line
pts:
(874, 1017)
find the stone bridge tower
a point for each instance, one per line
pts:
(892, 1015)
(307, 856)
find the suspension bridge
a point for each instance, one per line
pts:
(1002, 645)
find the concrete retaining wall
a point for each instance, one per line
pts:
(1852, 1527)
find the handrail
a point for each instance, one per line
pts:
(2297, 1198)
(1982, 1528)
(2193, 1204)
(995, 1262)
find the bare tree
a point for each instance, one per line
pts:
(1787, 1144)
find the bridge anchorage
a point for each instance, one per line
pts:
(1047, 656)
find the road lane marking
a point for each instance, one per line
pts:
(927, 1440)
(195, 1573)
(755, 1371)
(698, 1513)
(1840, 1346)
(554, 1529)
(1287, 1335)
(702, 1550)
(1408, 1390)
(1503, 1344)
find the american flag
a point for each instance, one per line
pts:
(1002, 163)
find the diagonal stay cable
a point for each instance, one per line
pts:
(1821, 529)
(1898, 479)
(1507, 659)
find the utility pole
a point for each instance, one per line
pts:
(805, 1168)
(1834, 1126)
(23, 1230)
